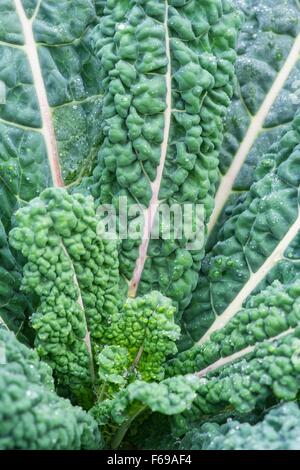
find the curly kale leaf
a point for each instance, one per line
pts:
(167, 69)
(267, 315)
(15, 308)
(95, 342)
(32, 416)
(145, 327)
(75, 274)
(250, 362)
(169, 397)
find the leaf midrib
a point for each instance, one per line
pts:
(240, 354)
(227, 181)
(47, 130)
(150, 213)
(87, 338)
(253, 281)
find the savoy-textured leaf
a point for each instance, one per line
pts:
(256, 244)
(166, 69)
(95, 344)
(266, 315)
(243, 319)
(261, 114)
(266, 95)
(49, 105)
(75, 275)
(250, 361)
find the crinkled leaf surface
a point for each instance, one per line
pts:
(266, 94)
(49, 106)
(254, 236)
(167, 71)
(32, 416)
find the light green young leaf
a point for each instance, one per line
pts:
(170, 397)
(75, 274)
